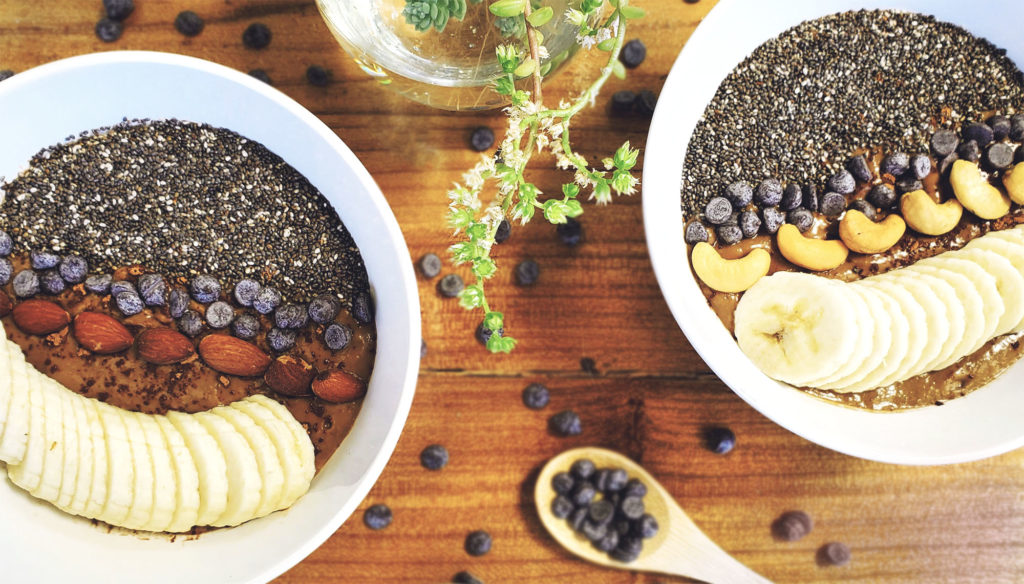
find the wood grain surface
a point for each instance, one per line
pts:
(647, 394)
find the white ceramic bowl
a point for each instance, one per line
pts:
(44, 105)
(982, 424)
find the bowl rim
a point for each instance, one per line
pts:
(923, 436)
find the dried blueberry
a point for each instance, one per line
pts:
(750, 223)
(266, 300)
(450, 286)
(834, 554)
(430, 266)
(42, 260)
(6, 244)
(562, 483)
(262, 75)
(632, 507)
(466, 578)
(280, 340)
(582, 469)
(594, 531)
(695, 233)
(478, 543)
(177, 302)
(609, 542)
(729, 234)
(501, 235)
(738, 194)
(205, 289)
(26, 284)
(864, 207)
(895, 164)
(944, 142)
(772, 219)
(978, 132)
(948, 161)
(601, 512)
(536, 396)
(570, 233)
(119, 286)
(719, 440)
(317, 76)
(881, 196)
(792, 525)
(51, 282)
(562, 507)
(768, 193)
(633, 53)
(833, 204)
(291, 316)
(859, 169)
(153, 289)
(1000, 126)
(565, 423)
(645, 102)
(73, 269)
(118, 9)
(920, 165)
(810, 198)
(190, 323)
(108, 30)
(377, 516)
(246, 326)
(434, 457)
(323, 308)
(792, 197)
(908, 184)
(6, 269)
(256, 36)
(841, 182)
(801, 218)
(128, 303)
(337, 336)
(622, 101)
(969, 150)
(1017, 127)
(999, 155)
(219, 314)
(527, 273)
(647, 526)
(246, 291)
(481, 138)
(634, 488)
(718, 211)
(189, 23)
(99, 284)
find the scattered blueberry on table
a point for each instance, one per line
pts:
(377, 516)
(108, 30)
(792, 526)
(719, 440)
(429, 265)
(527, 273)
(502, 233)
(450, 286)
(536, 396)
(570, 233)
(256, 36)
(466, 578)
(481, 138)
(189, 23)
(633, 53)
(622, 101)
(566, 423)
(434, 457)
(478, 543)
(834, 554)
(317, 76)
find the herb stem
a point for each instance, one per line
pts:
(531, 35)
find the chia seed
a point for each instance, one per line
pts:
(802, 103)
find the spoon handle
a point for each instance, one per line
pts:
(691, 553)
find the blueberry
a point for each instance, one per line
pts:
(42, 260)
(594, 531)
(323, 308)
(834, 553)
(434, 457)
(362, 308)
(718, 211)
(73, 269)
(189, 23)
(481, 138)
(466, 578)
(527, 273)
(190, 323)
(246, 291)
(118, 9)
(895, 164)
(205, 289)
(768, 193)
(108, 30)
(570, 233)
(600, 479)
(291, 316)
(601, 512)
(26, 284)
(729, 234)
(719, 440)
(317, 76)
(337, 336)
(262, 75)
(562, 507)
(577, 518)
(944, 142)
(609, 542)
(536, 396)
(219, 314)
(246, 326)
(881, 196)
(1017, 127)
(501, 235)
(6, 269)
(647, 526)
(430, 265)
(738, 194)
(6, 244)
(792, 526)
(980, 133)
(908, 184)
(483, 334)
(1000, 126)
(626, 553)
(632, 507)
(842, 182)
(920, 165)
(622, 526)
(478, 543)
(801, 218)
(256, 36)
(622, 101)
(948, 161)
(695, 233)
(377, 516)
(562, 483)
(177, 302)
(128, 303)
(280, 340)
(583, 493)
(810, 198)
(859, 169)
(99, 284)
(645, 102)
(750, 224)
(51, 282)
(450, 286)
(565, 423)
(864, 207)
(833, 204)
(634, 488)
(969, 150)
(617, 479)
(153, 289)
(772, 219)
(582, 469)
(792, 197)
(633, 53)
(119, 286)
(999, 155)
(266, 300)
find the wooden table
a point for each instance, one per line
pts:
(594, 329)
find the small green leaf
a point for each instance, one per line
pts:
(631, 12)
(494, 321)
(526, 68)
(476, 231)
(625, 158)
(554, 211)
(504, 86)
(618, 70)
(463, 252)
(571, 190)
(500, 344)
(607, 44)
(541, 17)
(573, 208)
(506, 8)
(602, 191)
(484, 267)
(459, 218)
(472, 297)
(623, 182)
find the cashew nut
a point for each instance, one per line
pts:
(813, 254)
(1013, 180)
(924, 215)
(975, 193)
(729, 275)
(863, 235)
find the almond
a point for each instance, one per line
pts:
(233, 356)
(40, 317)
(289, 375)
(163, 346)
(6, 306)
(101, 333)
(338, 387)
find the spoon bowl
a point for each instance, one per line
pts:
(679, 548)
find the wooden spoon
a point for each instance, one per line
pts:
(680, 548)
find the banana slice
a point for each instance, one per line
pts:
(186, 509)
(6, 391)
(141, 510)
(69, 445)
(53, 459)
(1009, 284)
(910, 334)
(1013, 251)
(303, 444)
(289, 451)
(211, 467)
(14, 441)
(984, 305)
(864, 346)
(1015, 235)
(879, 342)
(83, 482)
(165, 487)
(798, 327)
(120, 491)
(28, 474)
(973, 317)
(889, 346)
(97, 493)
(244, 482)
(267, 461)
(935, 297)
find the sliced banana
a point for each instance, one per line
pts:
(96, 495)
(86, 461)
(53, 459)
(862, 348)
(14, 442)
(910, 335)
(244, 482)
(211, 467)
(1013, 251)
(5, 394)
(983, 308)
(120, 467)
(165, 487)
(889, 344)
(267, 461)
(288, 450)
(1009, 285)
(69, 446)
(186, 509)
(28, 474)
(300, 439)
(934, 296)
(144, 487)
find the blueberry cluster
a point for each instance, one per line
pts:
(990, 142)
(606, 507)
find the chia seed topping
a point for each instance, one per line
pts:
(802, 103)
(183, 199)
